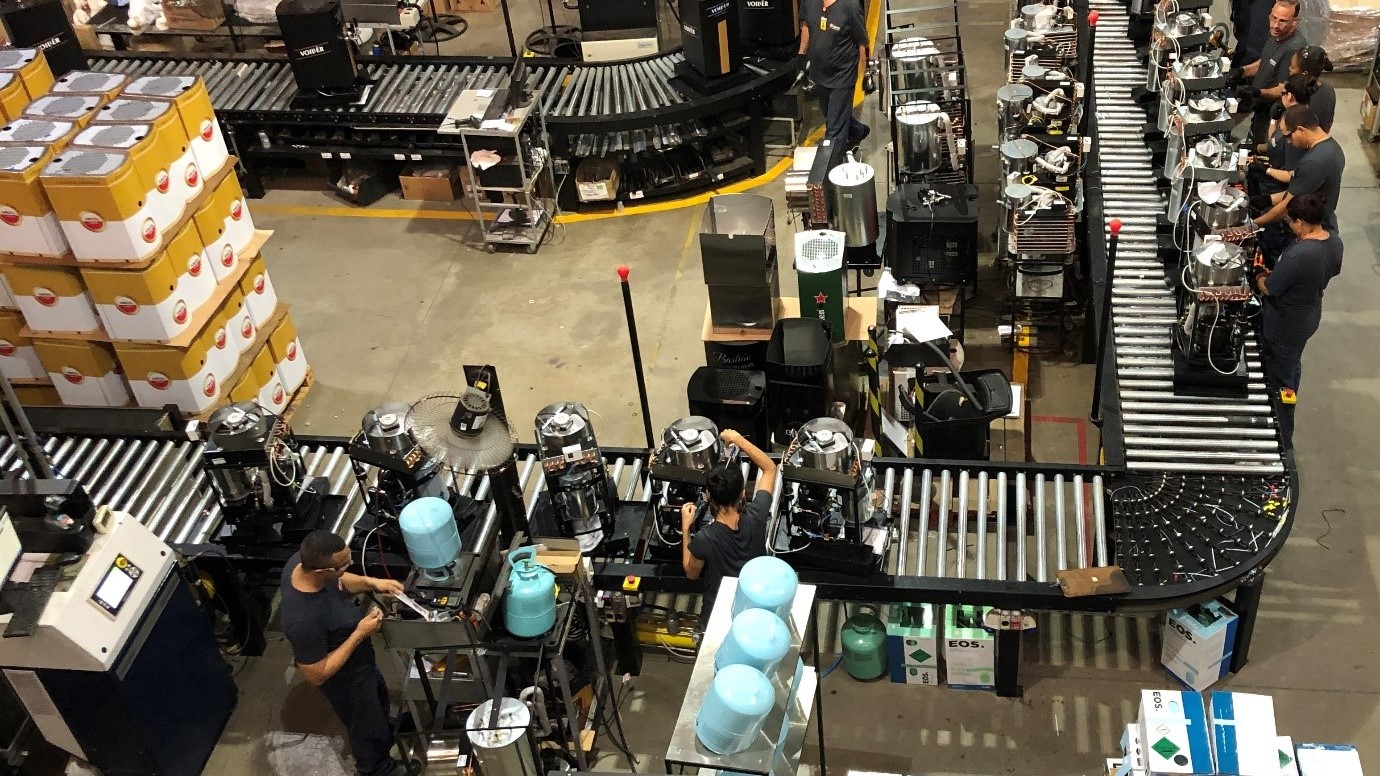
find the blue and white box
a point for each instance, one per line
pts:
(1328, 760)
(1244, 740)
(1288, 761)
(1133, 754)
(1174, 733)
(1198, 643)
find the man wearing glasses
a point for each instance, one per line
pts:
(1268, 74)
(330, 644)
(1319, 170)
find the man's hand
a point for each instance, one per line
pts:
(687, 519)
(1235, 76)
(370, 624)
(1246, 91)
(386, 586)
(1258, 165)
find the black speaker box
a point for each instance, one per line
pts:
(769, 23)
(314, 35)
(43, 25)
(732, 398)
(710, 36)
(800, 366)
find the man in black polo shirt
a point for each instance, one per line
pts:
(1268, 74)
(1319, 169)
(833, 38)
(330, 644)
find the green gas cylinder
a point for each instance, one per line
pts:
(864, 644)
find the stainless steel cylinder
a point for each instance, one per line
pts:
(854, 197)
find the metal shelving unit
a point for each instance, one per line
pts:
(524, 212)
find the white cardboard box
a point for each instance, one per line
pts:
(1198, 644)
(1288, 761)
(970, 652)
(1244, 741)
(1132, 753)
(1328, 760)
(1174, 731)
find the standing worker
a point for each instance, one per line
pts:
(834, 43)
(739, 530)
(1293, 297)
(1313, 61)
(1268, 73)
(1272, 169)
(330, 644)
(1319, 169)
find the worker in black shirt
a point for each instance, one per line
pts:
(1319, 169)
(1272, 169)
(1313, 61)
(738, 532)
(1293, 297)
(833, 39)
(1267, 74)
(330, 644)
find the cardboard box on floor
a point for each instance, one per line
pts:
(431, 183)
(1198, 642)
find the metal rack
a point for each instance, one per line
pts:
(520, 137)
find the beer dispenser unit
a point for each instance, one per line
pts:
(583, 501)
(690, 449)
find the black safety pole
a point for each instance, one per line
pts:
(508, 27)
(623, 272)
(1103, 333)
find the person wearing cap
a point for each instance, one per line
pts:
(1313, 62)
(1267, 74)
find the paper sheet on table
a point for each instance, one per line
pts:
(894, 430)
(923, 323)
(483, 159)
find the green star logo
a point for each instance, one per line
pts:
(1165, 748)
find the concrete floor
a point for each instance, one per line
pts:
(389, 308)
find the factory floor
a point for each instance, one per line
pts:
(390, 303)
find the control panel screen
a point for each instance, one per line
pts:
(114, 588)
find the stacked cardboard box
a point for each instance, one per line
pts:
(1232, 734)
(1198, 643)
(129, 257)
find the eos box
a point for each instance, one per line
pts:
(258, 292)
(100, 201)
(1198, 643)
(1244, 741)
(1288, 761)
(159, 301)
(287, 353)
(18, 359)
(1328, 760)
(1174, 731)
(52, 298)
(189, 377)
(1133, 753)
(226, 227)
(165, 126)
(193, 103)
(27, 222)
(970, 650)
(84, 373)
(912, 644)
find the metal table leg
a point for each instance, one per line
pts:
(1009, 664)
(819, 682)
(1247, 606)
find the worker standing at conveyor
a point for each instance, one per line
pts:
(738, 532)
(834, 42)
(1267, 74)
(1319, 169)
(330, 644)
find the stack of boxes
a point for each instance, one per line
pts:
(129, 259)
(1198, 643)
(1232, 734)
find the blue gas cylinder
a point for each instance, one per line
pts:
(429, 531)
(766, 583)
(529, 609)
(734, 708)
(756, 638)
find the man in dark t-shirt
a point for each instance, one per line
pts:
(738, 532)
(833, 38)
(1319, 170)
(330, 644)
(1267, 74)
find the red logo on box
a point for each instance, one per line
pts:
(7, 348)
(180, 312)
(45, 297)
(126, 305)
(208, 129)
(209, 388)
(150, 231)
(9, 215)
(220, 338)
(292, 350)
(160, 181)
(278, 395)
(193, 175)
(159, 381)
(73, 376)
(259, 284)
(247, 328)
(236, 209)
(227, 256)
(92, 221)
(194, 265)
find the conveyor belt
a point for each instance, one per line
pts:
(1163, 432)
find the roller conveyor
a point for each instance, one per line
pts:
(1143, 305)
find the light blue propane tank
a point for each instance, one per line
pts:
(766, 583)
(756, 638)
(529, 609)
(731, 717)
(432, 538)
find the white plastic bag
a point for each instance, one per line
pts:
(257, 11)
